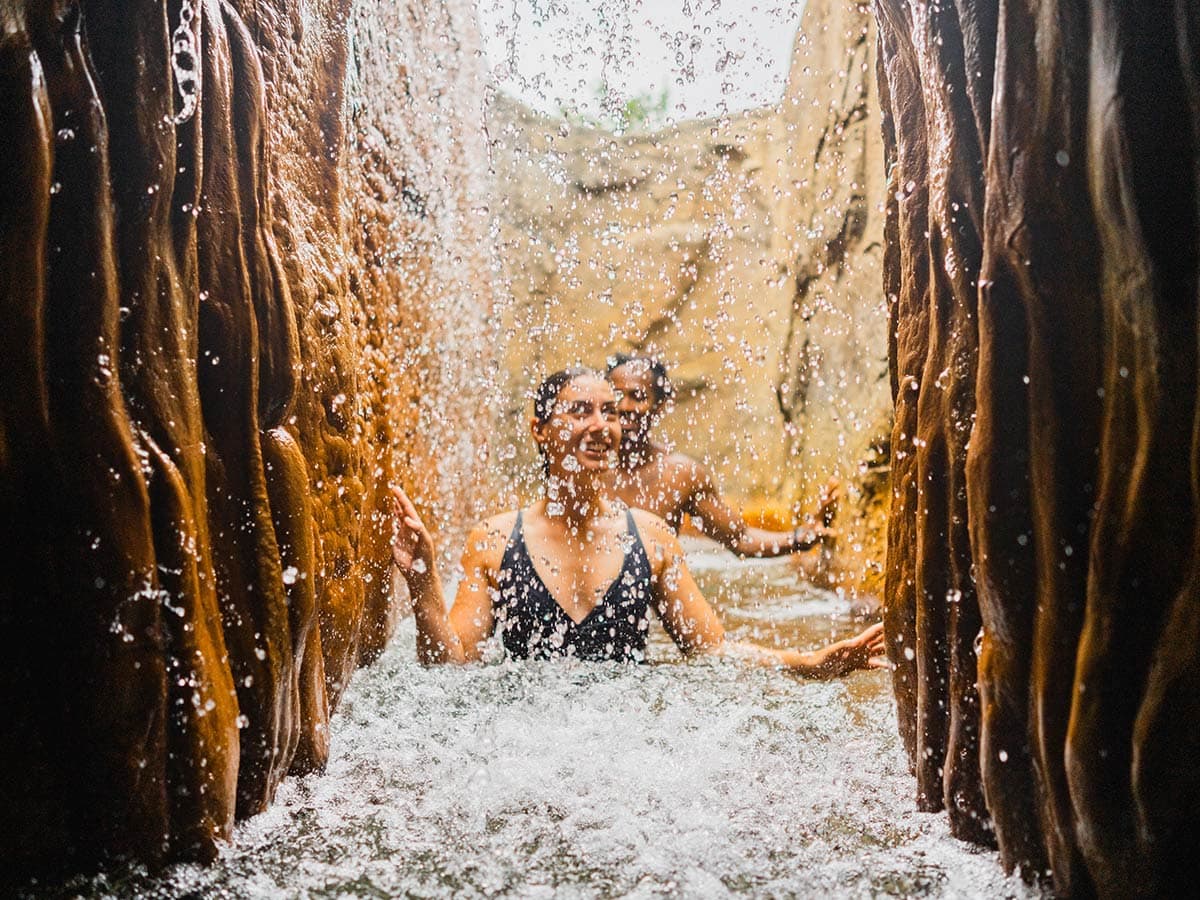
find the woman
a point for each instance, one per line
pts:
(573, 575)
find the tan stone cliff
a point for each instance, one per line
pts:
(744, 251)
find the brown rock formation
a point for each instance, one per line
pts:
(1042, 275)
(217, 356)
(744, 251)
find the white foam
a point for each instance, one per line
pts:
(567, 779)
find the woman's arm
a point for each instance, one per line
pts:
(695, 628)
(863, 651)
(471, 615)
(442, 638)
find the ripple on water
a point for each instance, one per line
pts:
(593, 780)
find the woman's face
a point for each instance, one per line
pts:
(584, 430)
(639, 402)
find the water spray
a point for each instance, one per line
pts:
(185, 62)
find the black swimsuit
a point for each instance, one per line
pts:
(532, 624)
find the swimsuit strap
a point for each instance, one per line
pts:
(532, 623)
(637, 537)
(515, 536)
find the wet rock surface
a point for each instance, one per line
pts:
(1042, 278)
(226, 334)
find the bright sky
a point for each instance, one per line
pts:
(712, 56)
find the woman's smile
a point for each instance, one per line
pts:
(597, 447)
(583, 432)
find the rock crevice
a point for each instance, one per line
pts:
(744, 251)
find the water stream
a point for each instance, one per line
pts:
(597, 780)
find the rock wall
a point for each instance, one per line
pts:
(744, 251)
(226, 333)
(1042, 276)
(828, 241)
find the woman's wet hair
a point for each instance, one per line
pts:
(663, 389)
(547, 393)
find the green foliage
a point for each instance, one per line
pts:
(643, 111)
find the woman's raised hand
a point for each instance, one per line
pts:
(865, 650)
(412, 547)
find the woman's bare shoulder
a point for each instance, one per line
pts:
(489, 537)
(501, 523)
(654, 530)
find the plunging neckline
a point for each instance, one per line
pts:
(549, 593)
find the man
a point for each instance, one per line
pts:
(649, 476)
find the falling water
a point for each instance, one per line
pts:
(597, 780)
(532, 779)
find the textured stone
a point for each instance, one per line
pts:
(226, 336)
(1042, 274)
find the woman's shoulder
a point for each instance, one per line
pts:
(653, 528)
(500, 524)
(490, 536)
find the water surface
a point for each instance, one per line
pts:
(563, 779)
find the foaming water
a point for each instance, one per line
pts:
(596, 780)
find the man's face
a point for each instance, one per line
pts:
(637, 400)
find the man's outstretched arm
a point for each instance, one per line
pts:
(713, 516)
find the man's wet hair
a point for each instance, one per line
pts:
(663, 389)
(547, 392)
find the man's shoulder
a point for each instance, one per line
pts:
(684, 469)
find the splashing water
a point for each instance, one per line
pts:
(185, 57)
(598, 780)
